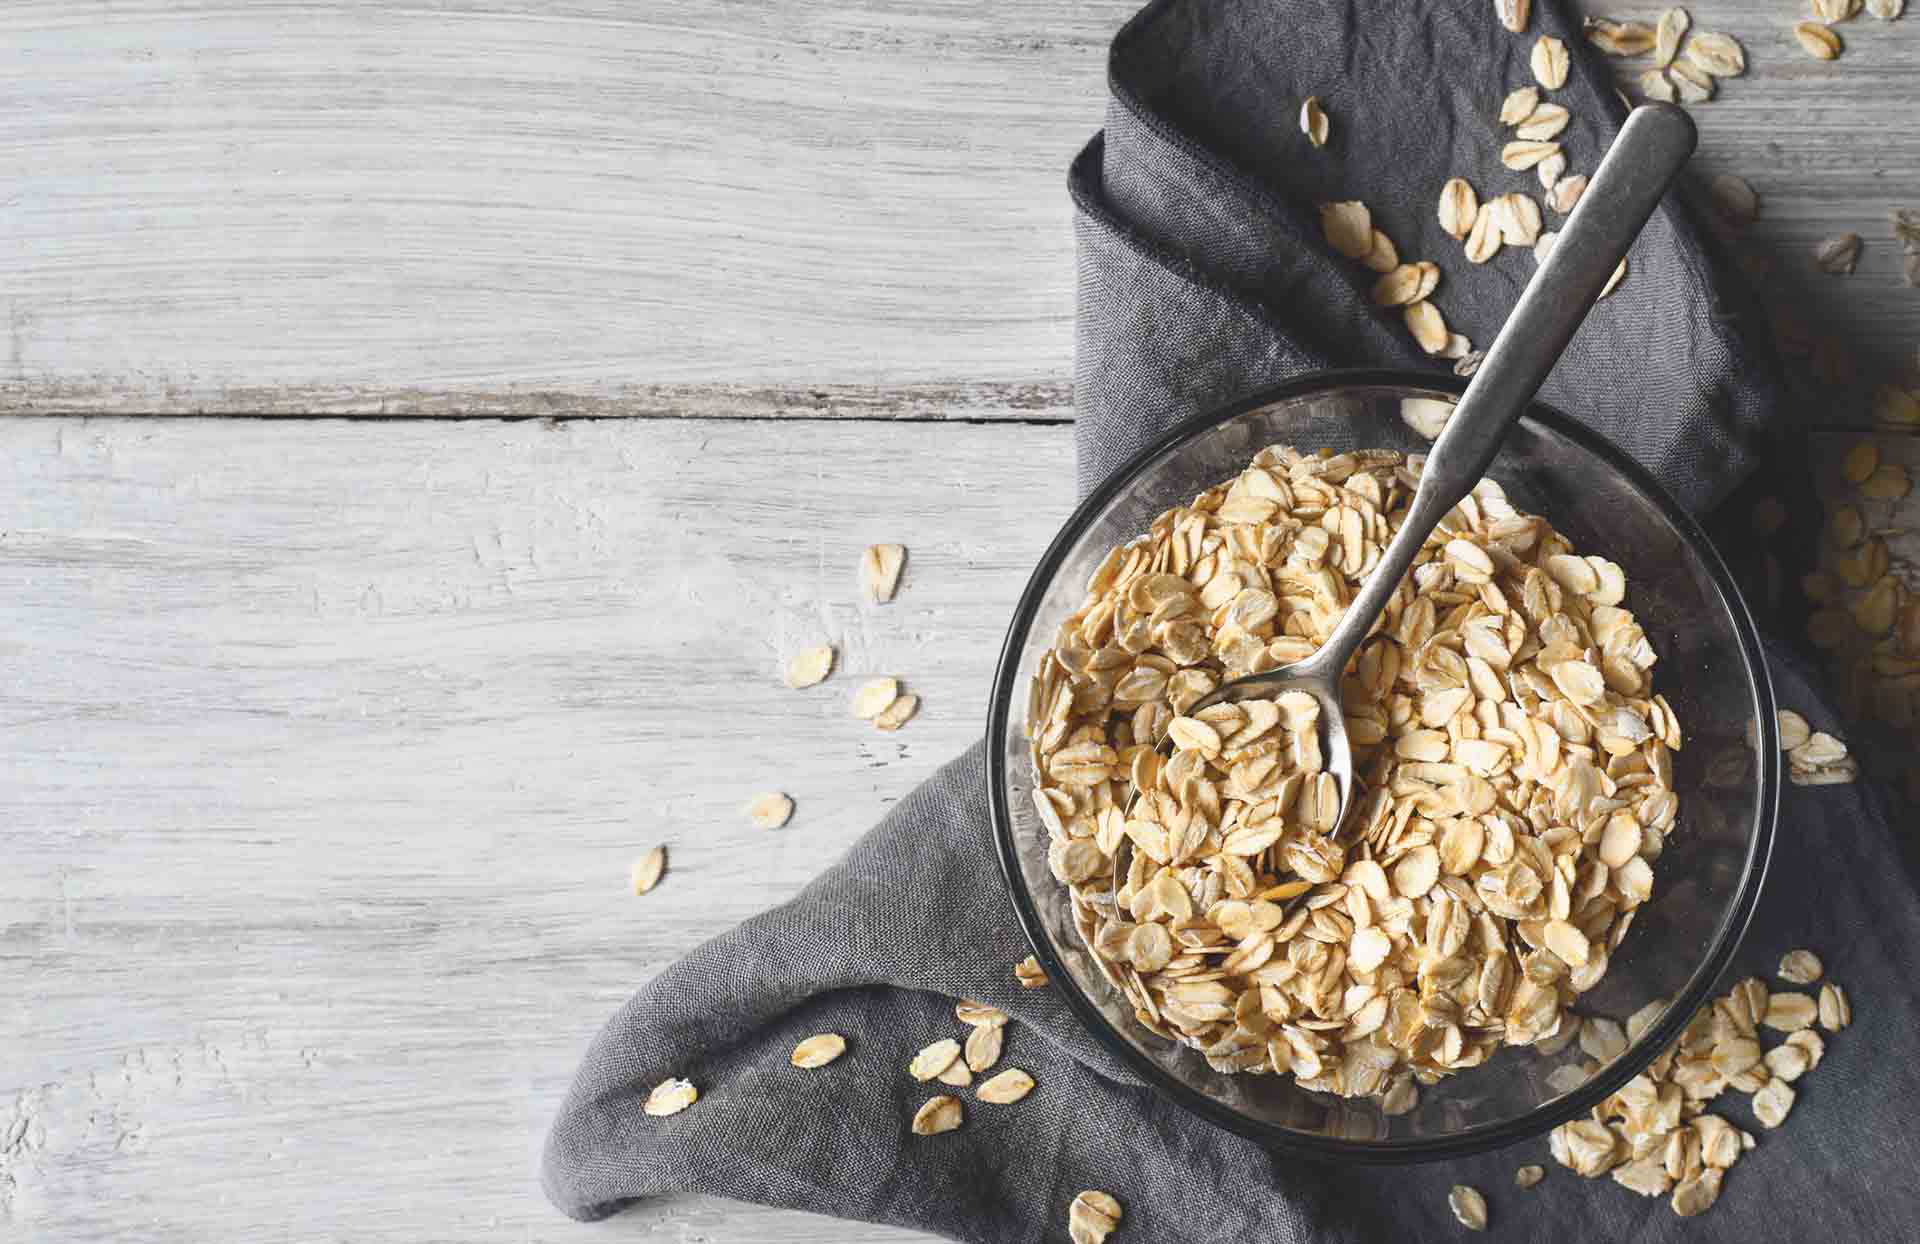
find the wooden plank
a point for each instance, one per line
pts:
(585, 207)
(327, 753)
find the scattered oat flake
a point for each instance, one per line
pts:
(898, 713)
(671, 1097)
(958, 1074)
(1886, 10)
(1410, 282)
(647, 870)
(1836, 10)
(1030, 974)
(770, 811)
(874, 697)
(1546, 122)
(934, 1059)
(1566, 193)
(979, 1015)
(1529, 1175)
(1734, 200)
(1313, 121)
(819, 1050)
(1007, 1087)
(1483, 242)
(1427, 325)
(1092, 1217)
(1348, 227)
(1794, 730)
(983, 1047)
(1838, 255)
(1468, 1206)
(1772, 1102)
(1816, 40)
(1549, 62)
(1717, 54)
(1799, 967)
(880, 565)
(1519, 104)
(1835, 1011)
(1518, 216)
(810, 666)
(1692, 84)
(1381, 255)
(939, 1114)
(1524, 154)
(1667, 34)
(1619, 38)
(1458, 206)
(1657, 86)
(1789, 1012)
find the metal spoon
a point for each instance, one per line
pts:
(1652, 147)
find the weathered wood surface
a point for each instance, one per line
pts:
(328, 752)
(592, 207)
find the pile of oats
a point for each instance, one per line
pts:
(1514, 779)
(1655, 1137)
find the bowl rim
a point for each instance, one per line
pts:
(1733, 922)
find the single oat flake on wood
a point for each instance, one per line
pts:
(770, 811)
(1816, 40)
(671, 1097)
(647, 870)
(1838, 255)
(898, 713)
(810, 667)
(880, 566)
(1619, 38)
(875, 696)
(1717, 54)
(1667, 34)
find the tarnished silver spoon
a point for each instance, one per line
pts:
(1652, 148)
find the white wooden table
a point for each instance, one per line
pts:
(329, 741)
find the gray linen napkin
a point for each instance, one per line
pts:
(1202, 275)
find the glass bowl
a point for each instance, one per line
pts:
(1726, 775)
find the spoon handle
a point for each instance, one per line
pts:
(1652, 148)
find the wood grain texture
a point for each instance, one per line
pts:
(329, 748)
(587, 207)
